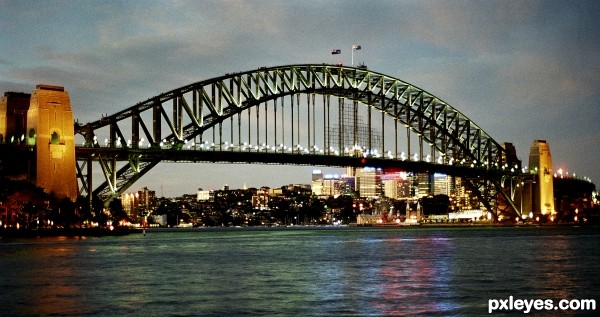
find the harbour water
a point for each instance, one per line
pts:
(299, 271)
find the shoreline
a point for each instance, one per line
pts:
(66, 232)
(123, 231)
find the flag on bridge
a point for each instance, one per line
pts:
(336, 51)
(356, 47)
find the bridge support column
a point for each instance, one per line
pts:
(50, 128)
(542, 193)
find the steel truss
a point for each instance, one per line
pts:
(186, 113)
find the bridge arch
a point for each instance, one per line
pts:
(176, 118)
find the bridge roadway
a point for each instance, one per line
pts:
(286, 158)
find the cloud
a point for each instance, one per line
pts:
(534, 63)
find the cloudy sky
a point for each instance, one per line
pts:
(521, 70)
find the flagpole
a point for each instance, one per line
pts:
(354, 48)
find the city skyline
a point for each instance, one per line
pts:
(520, 70)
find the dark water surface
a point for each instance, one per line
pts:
(299, 272)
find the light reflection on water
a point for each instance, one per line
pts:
(326, 272)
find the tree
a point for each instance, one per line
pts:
(116, 210)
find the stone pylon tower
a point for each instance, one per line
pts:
(542, 200)
(50, 128)
(13, 117)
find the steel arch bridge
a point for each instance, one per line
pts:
(273, 115)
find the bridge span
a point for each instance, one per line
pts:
(298, 114)
(311, 114)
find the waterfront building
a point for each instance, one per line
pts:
(140, 204)
(130, 203)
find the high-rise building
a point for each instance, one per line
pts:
(130, 203)
(147, 201)
(368, 182)
(396, 185)
(317, 182)
(442, 184)
(327, 185)
(425, 184)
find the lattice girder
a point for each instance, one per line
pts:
(452, 134)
